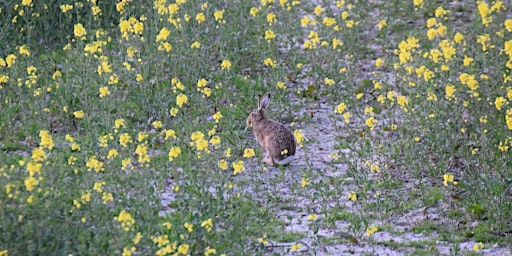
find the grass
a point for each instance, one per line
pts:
(123, 127)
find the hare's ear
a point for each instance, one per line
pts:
(265, 101)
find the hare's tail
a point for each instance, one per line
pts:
(285, 161)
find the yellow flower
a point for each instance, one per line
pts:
(312, 217)
(207, 224)
(217, 116)
(169, 134)
(163, 34)
(173, 112)
(478, 246)
(448, 178)
(79, 114)
(305, 182)
(125, 163)
(127, 251)
(183, 249)
(119, 123)
(26, 2)
(157, 124)
(79, 30)
(299, 137)
(458, 38)
(201, 83)
(328, 81)
(226, 64)
(107, 197)
(4, 79)
(142, 152)
(137, 238)
(94, 164)
(370, 230)
(66, 7)
(24, 50)
(181, 99)
(98, 186)
(402, 101)
(340, 108)
(46, 139)
(218, 15)
(371, 122)
(104, 91)
(304, 21)
(318, 10)
(351, 23)
(238, 167)
(382, 24)
(344, 15)
(271, 18)
(254, 11)
(352, 196)
(215, 140)
(112, 153)
(296, 247)
(209, 251)
(467, 60)
(113, 79)
(249, 152)
(126, 220)
(10, 60)
(335, 156)
(379, 62)
(124, 139)
(263, 240)
(167, 225)
(86, 196)
(200, 18)
(329, 22)
(508, 25)
(202, 145)
(499, 102)
(269, 62)
(174, 152)
(347, 117)
(189, 226)
(450, 91)
(281, 85)
(30, 183)
(223, 165)
(227, 152)
(336, 43)
(441, 12)
(197, 135)
(485, 12)
(269, 34)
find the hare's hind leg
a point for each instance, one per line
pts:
(268, 159)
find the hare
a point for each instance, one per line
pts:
(273, 136)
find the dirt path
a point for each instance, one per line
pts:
(322, 132)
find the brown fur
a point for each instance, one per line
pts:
(271, 135)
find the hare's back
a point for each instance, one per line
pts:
(281, 139)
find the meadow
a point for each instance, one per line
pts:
(122, 127)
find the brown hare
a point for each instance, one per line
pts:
(273, 136)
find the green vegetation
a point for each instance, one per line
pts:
(122, 127)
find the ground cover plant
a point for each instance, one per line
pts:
(122, 127)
